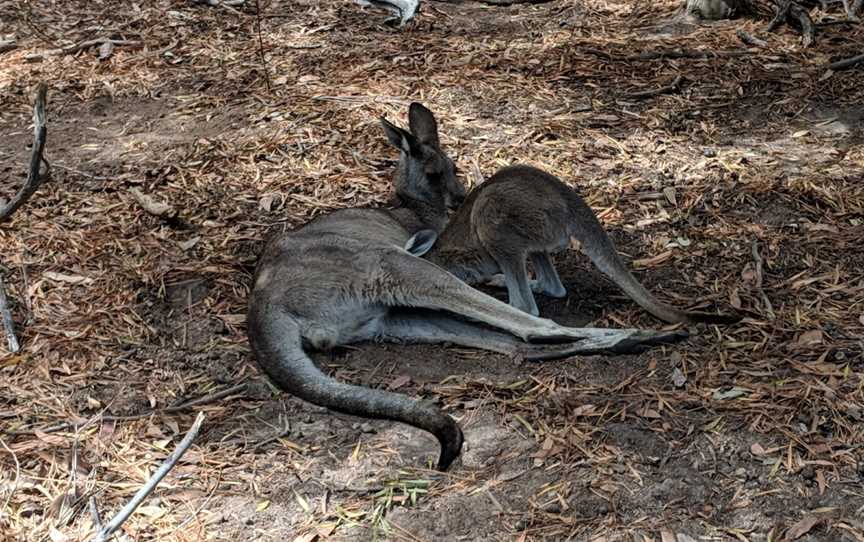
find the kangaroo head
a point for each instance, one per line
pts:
(425, 174)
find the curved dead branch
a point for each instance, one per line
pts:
(34, 177)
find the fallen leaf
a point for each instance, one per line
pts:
(654, 260)
(261, 506)
(304, 504)
(510, 475)
(105, 50)
(820, 480)
(399, 382)
(678, 378)
(669, 192)
(802, 527)
(186, 245)
(69, 279)
(729, 394)
(266, 202)
(48, 438)
(649, 413)
(800, 133)
(584, 410)
(156, 208)
(814, 336)
(57, 536)
(757, 449)
(153, 512)
(735, 299)
(325, 529)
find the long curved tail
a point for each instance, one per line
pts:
(276, 343)
(601, 250)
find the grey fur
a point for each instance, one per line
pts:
(522, 212)
(347, 277)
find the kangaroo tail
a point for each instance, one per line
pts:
(276, 343)
(601, 250)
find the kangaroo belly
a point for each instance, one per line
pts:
(323, 281)
(343, 324)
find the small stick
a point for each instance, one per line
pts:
(808, 30)
(846, 63)
(757, 258)
(671, 87)
(72, 49)
(34, 177)
(261, 45)
(673, 54)
(780, 16)
(14, 484)
(223, 3)
(94, 513)
(8, 323)
(209, 398)
(284, 432)
(750, 39)
(117, 521)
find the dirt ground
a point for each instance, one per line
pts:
(739, 189)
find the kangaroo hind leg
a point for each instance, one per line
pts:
(513, 268)
(435, 327)
(547, 277)
(413, 282)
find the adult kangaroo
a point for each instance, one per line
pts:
(523, 213)
(354, 275)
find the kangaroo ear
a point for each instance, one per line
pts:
(423, 124)
(399, 138)
(421, 242)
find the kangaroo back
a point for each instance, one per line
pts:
(522, 211)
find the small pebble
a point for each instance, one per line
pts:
(553, 508)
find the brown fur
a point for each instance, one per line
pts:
(353, 275)
(524, 213)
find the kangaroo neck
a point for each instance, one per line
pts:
(415, 215)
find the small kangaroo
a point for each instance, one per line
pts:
(354, 275)
(523, 212)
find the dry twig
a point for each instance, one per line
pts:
(675, 53)
(31, 185)
(155, 208)
(847, 63)
(671, 87)
(117, 521)
(8, 324)
(34, 177)
(757, 259)
(209, 398)
(750, 39)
